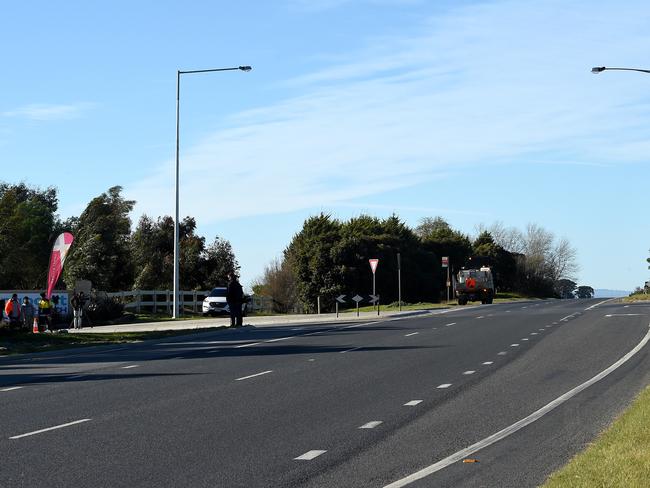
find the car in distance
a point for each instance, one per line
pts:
(215, 303)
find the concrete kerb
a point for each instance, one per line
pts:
(266, 321)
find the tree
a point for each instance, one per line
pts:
(565, 288)
(101, 250)
(218, 262)
(502, 262)
(278, 283)
(27, 232)
(585, 292)
(310, 257)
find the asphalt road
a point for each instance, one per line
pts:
(342, 405)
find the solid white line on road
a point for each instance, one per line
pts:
(12, 388)
(371, 425)
(360, 325)
(469, 372)
(514, 345)
(278, 339)
(502, 353)
(411, 334)
(599, 303)
(254, 375)
(487, 363)
(309, 455)
(131, 366)
(502, 434)
(450, 324)
(50, 428)
(413, 403)
(247, 345)
(444, 385)
(348, 350)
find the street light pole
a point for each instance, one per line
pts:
(599, 69)
(175, 311)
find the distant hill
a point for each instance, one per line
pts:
(602, 293)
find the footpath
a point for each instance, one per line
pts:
(261, 321)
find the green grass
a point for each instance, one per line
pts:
(620, 457)
(637, 297)
(24, 342)
(392, 307)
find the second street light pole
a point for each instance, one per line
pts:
(175, 311)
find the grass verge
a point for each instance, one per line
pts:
(637, 297)
(24, 342)
(619, 457)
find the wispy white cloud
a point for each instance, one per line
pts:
(46, 112)
(494, 83)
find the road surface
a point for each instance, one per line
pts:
(395, 402)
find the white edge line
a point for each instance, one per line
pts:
(254, 375)
(247, 345)
(411, 334)
(599, 303)
(348, 350)
(12, 388)
(131, 366)
(502, 434)
(444, 385)
(50, 428)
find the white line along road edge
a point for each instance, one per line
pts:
(50, 428)
(502, 434)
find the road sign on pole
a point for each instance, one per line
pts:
(339, 299)
(357, 299)
(373, 265)
(445, 261)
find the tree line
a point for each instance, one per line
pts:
(106, 250)
(329, 257)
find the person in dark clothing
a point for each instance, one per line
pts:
(235, 299)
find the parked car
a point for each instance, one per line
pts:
(215, 303)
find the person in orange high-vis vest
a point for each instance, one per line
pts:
(12, 309)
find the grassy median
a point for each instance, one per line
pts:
(23, 342)
(619, 457)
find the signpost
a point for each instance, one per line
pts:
(357, 299)
(399, 281)
(339, 299)
(373, 266)
(374, 299)
(445, 264)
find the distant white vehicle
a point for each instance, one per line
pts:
(215, 303)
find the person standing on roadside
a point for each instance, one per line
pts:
(44, 311)
(235, 299)
(77, 309)
(27, 313)
(12, 309)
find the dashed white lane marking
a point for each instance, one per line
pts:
(480, 317)
(434, 328)
(348, 350)
(450, 324)
(524, 339)
(411, 334)
(309, 455)
(626, 306)
(131, 366)
(502, 353)
(12, 388)
(248, 345)
(502, 434)
(541, 330)
(371, 425)
(508, 311)
(279, 339)
(444, 385)
(514, 345)
(254, 375)
(534, 333)
(554, 323)
(50, 428)
(487, 363)
(311, 359)
(413, 403)
(624, 315)
(469, 372)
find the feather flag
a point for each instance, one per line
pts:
(57, 258)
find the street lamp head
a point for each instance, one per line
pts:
(245, 68)
(598, 69)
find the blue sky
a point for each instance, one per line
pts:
(475, 111)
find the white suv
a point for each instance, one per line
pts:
(215, 303)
